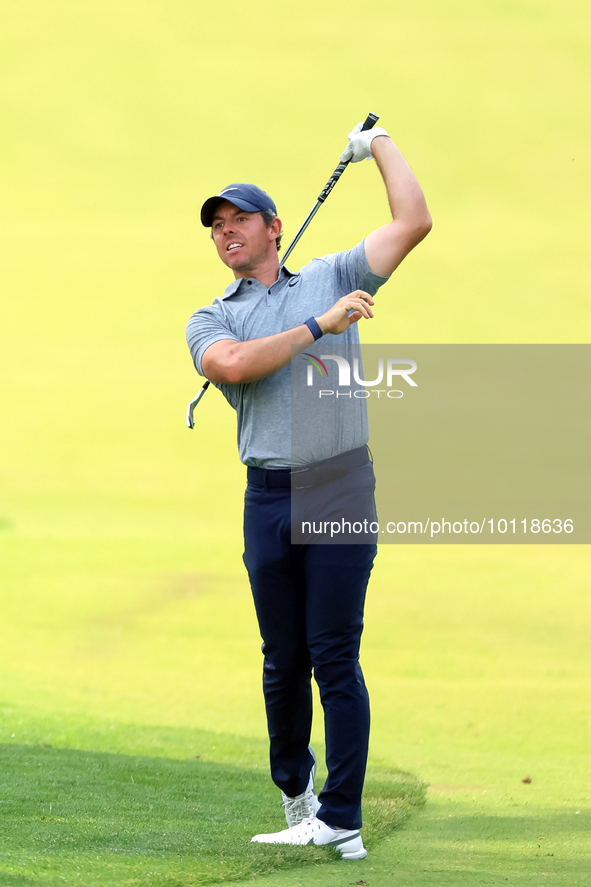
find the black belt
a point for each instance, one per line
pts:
(314, 475)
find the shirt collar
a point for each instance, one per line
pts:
(233, 288)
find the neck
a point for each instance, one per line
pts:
(266, 273)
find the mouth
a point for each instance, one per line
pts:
(234, 246)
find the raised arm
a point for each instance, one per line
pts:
(411, 221)
(386, 247)
(234, 363)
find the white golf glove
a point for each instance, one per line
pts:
(359, 147)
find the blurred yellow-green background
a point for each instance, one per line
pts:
(119, 119)
(123, 593)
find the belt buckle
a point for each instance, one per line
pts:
(294, 485)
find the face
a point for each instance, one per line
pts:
(243, 241)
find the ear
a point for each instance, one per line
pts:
(275, 228)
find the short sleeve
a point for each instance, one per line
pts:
(204, 328)
(353, 272)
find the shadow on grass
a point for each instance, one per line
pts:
(92, 818)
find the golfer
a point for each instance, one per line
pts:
(309, 598)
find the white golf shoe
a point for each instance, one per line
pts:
(314, 831)
(299, 808)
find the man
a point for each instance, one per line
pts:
(309, 598)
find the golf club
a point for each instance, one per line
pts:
(369, 123)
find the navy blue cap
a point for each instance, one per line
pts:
(247, 197)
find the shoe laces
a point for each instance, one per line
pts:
(299, 807)
(305, 829)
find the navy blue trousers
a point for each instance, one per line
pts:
(309, 602)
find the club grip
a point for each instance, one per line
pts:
(370, 122)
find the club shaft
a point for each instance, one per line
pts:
(369, 122)
(303, 227)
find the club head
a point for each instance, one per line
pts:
(192, 404)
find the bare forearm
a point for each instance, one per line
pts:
(236, 363)
(240, 362)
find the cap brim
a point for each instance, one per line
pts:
(210, 205)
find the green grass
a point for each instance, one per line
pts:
(127, 631)
(479, 673)
(91, 817)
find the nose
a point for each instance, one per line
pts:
(228, 227)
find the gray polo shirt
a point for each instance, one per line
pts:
(250, 310)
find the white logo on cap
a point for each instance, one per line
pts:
(225, 191)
